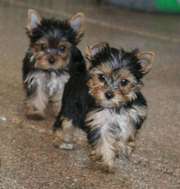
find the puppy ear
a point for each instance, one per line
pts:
(77, 24)
(92, 51)
(146, 59)
(34, 20)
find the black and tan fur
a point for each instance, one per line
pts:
(106, 102)
(51, 56)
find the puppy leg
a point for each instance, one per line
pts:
(64, 133)
(55, 104)
(36, 104)
(103, 147)
(126, 142)
(55, 107)
(126, 148)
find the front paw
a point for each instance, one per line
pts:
(66, 146)
(63, 145)
(106, 163)
(60, 141)
(33, 113)
(126, 149)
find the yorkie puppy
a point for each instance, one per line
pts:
(51, 56)
(106, 101)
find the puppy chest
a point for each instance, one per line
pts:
(49, 83)
(110, 122)
(55, 83)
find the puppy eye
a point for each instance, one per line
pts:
(124, 82)
(101, 77)
(43, 46)
(62, 48)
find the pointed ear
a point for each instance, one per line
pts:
(146, 59)
(92, 51)
(77, 24)
(34, 19)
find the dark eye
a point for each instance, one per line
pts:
(101, 77)
(124, 82)
(62, 48)
(43, 46)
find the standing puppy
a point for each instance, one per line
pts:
(51, 56)
(106, 101)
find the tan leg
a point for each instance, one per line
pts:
(35, 105)
(126, 145)
(55, 107)
(55, 104)
(65, 134)
(125, 148)
(104, 152)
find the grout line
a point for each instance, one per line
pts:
(100, 23)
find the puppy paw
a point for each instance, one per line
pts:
(128, 149)
(33, 113)
(108, 167)
(104, 165)
(66, 146)
(60, 143)
(94, 156)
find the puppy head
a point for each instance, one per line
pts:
(115, 75)
(51, 40)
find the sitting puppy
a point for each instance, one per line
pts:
(51, 56)
(106, 101)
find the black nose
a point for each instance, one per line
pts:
(109, 94)
(51, 60)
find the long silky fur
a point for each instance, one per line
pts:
(108, 129)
